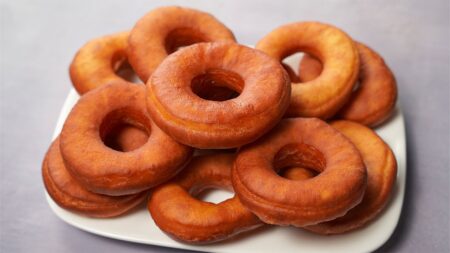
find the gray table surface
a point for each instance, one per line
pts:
(39, 39)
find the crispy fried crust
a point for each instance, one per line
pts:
(104, 170)
(262, 82)
(300, 142)
(325, 95)
(374, 99)
(162, 30)
(381, 174)
(71, 195)
(191, 220)
(96, 63)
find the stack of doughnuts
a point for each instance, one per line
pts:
(294, 145)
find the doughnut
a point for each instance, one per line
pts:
(381, 173)
(300, 142)
(374, 99)
(104, 170)
(69, 194)
(98, 62)
(325, 95)
(192, 120)
(182, 216)
(163, 30)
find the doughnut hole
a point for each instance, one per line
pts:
(123, 68)
(214, 195)
(297, 173)
(312, 69)
(182, 37)
(217, 85)
(299, 161)
(122, 130)
(214, 189)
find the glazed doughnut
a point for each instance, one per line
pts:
(186, 218)
(107, 171)
(381, 173)
(374, 99)
(325, 95)
(69, 194)
(261, 81)
(98, 61)
(307, 143)
(163, 30)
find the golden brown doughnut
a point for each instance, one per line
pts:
(163, 30)
(261, 81)
(374, 99)
(300, 142)
(381, 173)
(107, 171)
(186, 218)
(325, 95)
(69, 194)
(98, 61)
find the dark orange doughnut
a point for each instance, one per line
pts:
(325, 95)
(163, 30)
(381, 173)
(307, 143)
(186, 218)
(261, 81)
(104, 170)
(98, 61)
(374, 99)
(69, 194)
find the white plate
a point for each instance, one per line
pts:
(139, 227)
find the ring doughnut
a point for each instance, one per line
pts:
(374, 99)
(381, 173)
(69, 194)
(307, 143)
(261, 81)
(184, 217)
(163, 30)
(107, 171)
(325, 95)
(98, 61)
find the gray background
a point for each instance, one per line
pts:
(39, 39)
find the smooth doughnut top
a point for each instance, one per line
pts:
(104, 170)
(162, 30)
(262, 82)
(178, 213)
(302, 142)
(70, 194)
(381, 174)
(325, 95)
(373, 100)
(97, 61)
